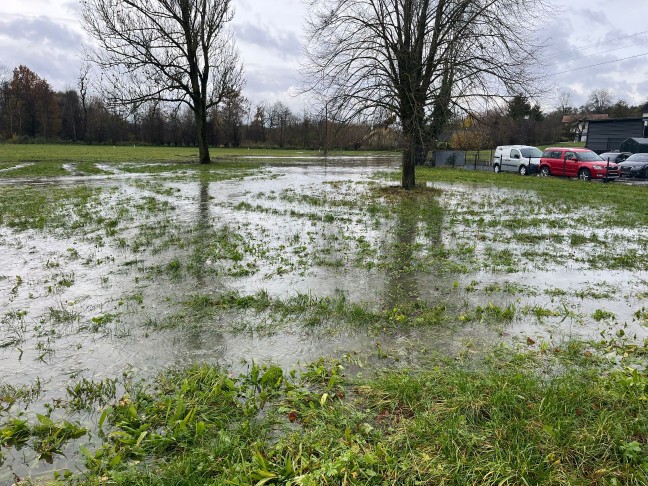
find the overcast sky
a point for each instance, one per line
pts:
(608, 39)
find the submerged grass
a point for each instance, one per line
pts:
(335, 311)
(173, 254)
(23, 208)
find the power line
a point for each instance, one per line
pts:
(601, 64)
(611, 50)
(608, 41)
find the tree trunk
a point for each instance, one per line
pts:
(408, 180)
(203, 144)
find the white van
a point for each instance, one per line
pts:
(523, 159)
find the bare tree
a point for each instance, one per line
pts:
(83, 87)
(165, 51)
(600, 101)
(418, 59)
(564, 102)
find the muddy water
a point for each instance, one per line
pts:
(94, 301)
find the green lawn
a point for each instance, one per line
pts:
(13, 153)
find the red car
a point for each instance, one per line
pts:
(576, 162)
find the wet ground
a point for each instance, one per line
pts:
(119, 278)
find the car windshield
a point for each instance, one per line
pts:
(530, 152)
(638, 158)
(588, 156)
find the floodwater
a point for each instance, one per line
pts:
(103, 293)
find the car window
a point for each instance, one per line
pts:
(638, 158)
(515, 152)
(552, 154)
(570, 156)
(531, 152)
(588, 156)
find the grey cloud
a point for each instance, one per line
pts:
(642, 87)
(589, 17)
(272, 83)
(48, 48)
(58, 69)
(40, 31)
(73, 6)
(270, 79)
(286, 43)
(593, 62)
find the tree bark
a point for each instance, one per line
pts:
(203, 141)
(408, 179)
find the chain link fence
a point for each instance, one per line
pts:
(472, 160)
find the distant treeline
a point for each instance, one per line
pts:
(30, 111)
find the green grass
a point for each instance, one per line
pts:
(506, 419)
(49, 160)
(14, 153)
(554, 192)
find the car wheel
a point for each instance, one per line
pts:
(496, 168)
(544, 171)
(584, 175)
(523, 170)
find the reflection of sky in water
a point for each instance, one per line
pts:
(108, 286)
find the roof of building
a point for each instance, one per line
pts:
(585, 117)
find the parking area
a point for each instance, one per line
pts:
(633, 182)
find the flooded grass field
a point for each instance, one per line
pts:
(111, 272)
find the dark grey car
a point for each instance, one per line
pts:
(615, 156)
(635, 166)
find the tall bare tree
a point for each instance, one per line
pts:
(165, 51)
(419, 59)
(565, 99)
(600, 101)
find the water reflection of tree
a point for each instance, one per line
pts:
(199, 333)
(417, 230)
(203, 224)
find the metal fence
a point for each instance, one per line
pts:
(476, 160)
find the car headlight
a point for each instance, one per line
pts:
(598, 167)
